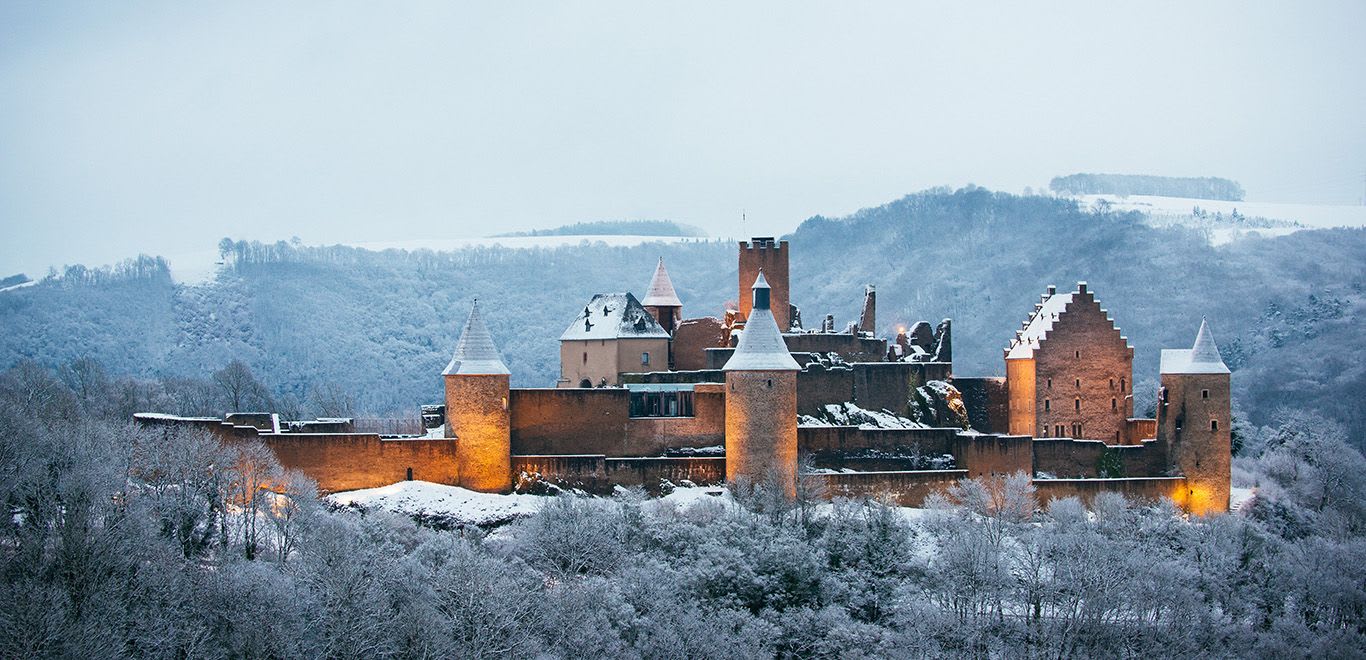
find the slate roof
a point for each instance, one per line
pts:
(1202, 358)
(475, 352)
(614, 316)
(661, 293)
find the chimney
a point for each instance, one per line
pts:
(1052, 290)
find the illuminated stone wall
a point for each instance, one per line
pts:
(761, 426)
(546, 421)
(1202, 454)
(477, 417)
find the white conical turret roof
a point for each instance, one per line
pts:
(661, 292)
(1204, 349)
(1202, 358)
(761, 346)
(475, 353)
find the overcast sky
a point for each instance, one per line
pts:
(130, 127)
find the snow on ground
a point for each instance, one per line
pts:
(447, 505)
(849, 414)
(1240, 496)
(1313, 216)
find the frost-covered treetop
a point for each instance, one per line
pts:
(1202, 358)
(661, 292)
(475, 353)
(761, 346)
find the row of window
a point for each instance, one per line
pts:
(661, 404)
(644, 358)
(1076, 382)
(1076, 405)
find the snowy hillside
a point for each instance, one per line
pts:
(1227, 220)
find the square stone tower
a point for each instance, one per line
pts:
(1193, 419)
(763, 253)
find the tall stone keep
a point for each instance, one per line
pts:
(477, 387)
(1193, 412)
(761, 400)
(763, 253)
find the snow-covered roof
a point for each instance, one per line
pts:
(661, 293)
(1038, 326)
(614, 316)
(475, 353)
(761, 346)
(1202, 358)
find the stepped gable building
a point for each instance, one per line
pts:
(1068, 371)
(613, 334)
(764, 401)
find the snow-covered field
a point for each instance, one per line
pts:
(1313, 216)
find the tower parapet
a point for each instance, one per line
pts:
(477, 388)
(761, 401)
(763, 253)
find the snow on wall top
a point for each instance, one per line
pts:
(1202, 358)
(1040, 323)
(614, 316)
(761, 346)
(475, 352)
(661, 293)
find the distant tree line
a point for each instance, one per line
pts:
(1207, 187)
(617, 228)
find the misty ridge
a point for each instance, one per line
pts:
(370, 329)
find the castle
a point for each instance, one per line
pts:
(647, 397)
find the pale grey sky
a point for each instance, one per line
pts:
(159, 127)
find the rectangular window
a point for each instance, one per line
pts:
(644, 358)
(661, 404)
(1076, 430)
(1050, 383)
(1114, 404)
(1078, 383)
(1046, 405)
(1204, 394)
(1077, 405)
(1214, 425)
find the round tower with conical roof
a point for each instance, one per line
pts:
(477, 389)
(1193, 422)
(761, 401)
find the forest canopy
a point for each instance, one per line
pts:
(1205, 187)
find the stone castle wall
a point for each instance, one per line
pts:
(559, 421)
